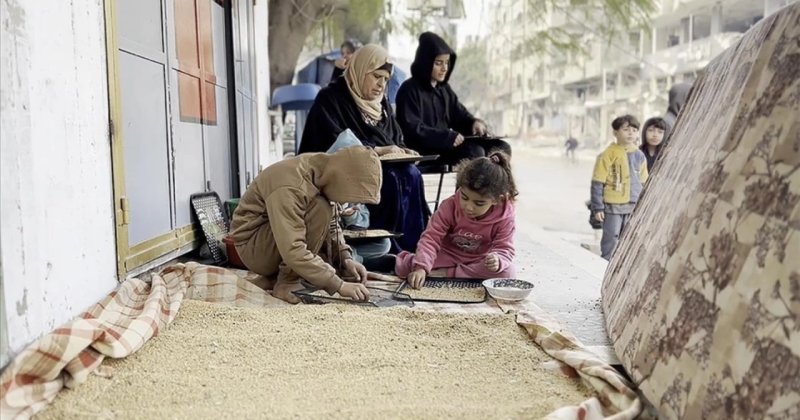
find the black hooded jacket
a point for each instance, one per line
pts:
(678, 95)
(334, 110)
(651, 160)
(427, 114)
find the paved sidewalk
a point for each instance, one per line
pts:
(567, 282)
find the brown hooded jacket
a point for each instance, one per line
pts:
(279, 199)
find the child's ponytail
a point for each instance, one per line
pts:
(490, 176)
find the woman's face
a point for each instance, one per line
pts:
(346, 53)
(374, 84)
(440, 66)
(654, 135)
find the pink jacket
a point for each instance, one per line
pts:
(451, 235)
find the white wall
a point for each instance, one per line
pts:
(269, 150)
(57, 231)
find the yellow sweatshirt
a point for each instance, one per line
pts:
(622, 170)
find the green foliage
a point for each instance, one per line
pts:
(469, 75)
(605, 19)
(363, 19)
(357, 19)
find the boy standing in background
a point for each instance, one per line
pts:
(619, 174)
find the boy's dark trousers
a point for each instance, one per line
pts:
(613, 224)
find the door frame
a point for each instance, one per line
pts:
(233, 122)
(131, 259)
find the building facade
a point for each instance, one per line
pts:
(113, 112)
(569, 94)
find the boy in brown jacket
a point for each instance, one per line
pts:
(282, 223)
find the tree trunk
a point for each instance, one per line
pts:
(290, 22)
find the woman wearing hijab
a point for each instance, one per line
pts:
(357, 101)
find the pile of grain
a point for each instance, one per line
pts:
(326, 361)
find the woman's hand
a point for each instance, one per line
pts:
(385, 150)
(340, 63)
(492, 262)
(479, 128)
(355, 291)
(459, 140)
(411, 152)
(416, 278)
(355, 269)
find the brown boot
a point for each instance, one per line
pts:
(288, 282)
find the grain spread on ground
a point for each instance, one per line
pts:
(323, 361)
(447, 291)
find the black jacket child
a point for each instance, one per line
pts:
(678, 95)
(426, 113)
(651, 160)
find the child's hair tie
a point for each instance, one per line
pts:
(495, 158)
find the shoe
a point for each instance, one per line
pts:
(382, 264)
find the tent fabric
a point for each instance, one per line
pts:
(702, 299)
(297, 97)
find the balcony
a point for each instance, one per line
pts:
(689, 56)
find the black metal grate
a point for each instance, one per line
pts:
(213, 221)
(378, 297)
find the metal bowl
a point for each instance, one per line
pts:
(508, 289)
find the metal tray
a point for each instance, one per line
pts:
(379, 298)
(444, 282)
(411, 159)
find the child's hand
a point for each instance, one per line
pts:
(416, 278)
(355, 269)
(355, 291)
(492, 262)
(600, 216)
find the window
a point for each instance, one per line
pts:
(195, 50)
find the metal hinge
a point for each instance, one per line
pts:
(124, 212)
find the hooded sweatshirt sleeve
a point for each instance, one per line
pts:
(503, 241)
(285, 209)
(598, 180)
(431, 240)
(462, 120)
(323, 125)
(420, 136)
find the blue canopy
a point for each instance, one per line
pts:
(320, 70)
(297, 97)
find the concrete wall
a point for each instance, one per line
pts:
(269, 150)
(57, 231)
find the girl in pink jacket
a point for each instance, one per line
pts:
(471, 234)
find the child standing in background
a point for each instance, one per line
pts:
(472, 232)
(619, 174)
(652, 140)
